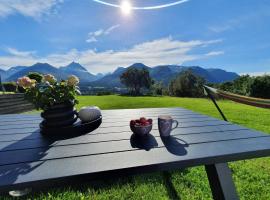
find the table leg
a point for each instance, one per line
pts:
(221, 182)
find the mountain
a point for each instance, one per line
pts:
(79, 71)
(44, 68)
(14, 70)
(139, 66)
(110, 80)
(204, 74)
(3, 74)
(163, 73)
(99, 75)
(166, 73)
(223, 75)
(113, 80)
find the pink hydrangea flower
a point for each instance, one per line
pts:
(50, 78)
(73, 81)
(26, 82)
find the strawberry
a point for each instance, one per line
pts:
(143, 119)
(132, 122)
(141, 122)
(146, 123)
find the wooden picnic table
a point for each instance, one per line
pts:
(28, 159)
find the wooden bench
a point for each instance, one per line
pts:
(14, 103)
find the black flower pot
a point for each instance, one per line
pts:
(59, 115)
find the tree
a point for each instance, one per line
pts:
(187, 84)
(241, 85)
(36, 76)
(157, 88)
(136, 79)
(227, 86)
(260, 87)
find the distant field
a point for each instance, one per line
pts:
(252, 177)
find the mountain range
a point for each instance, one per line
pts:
(163, 73)
(73, 68)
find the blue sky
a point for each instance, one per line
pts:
(227, 34)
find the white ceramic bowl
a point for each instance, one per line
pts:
(89, 113)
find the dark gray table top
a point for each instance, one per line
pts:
(27, 158)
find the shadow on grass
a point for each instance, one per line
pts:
(172, 193)
(84, 185)
(81, 186)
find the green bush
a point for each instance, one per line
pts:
(260, 87)
(157, 89)
(10, 86)
(187, 84)
(20, 89)
(36, 76)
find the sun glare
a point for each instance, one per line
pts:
(126, 7)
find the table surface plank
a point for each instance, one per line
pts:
(27, 158)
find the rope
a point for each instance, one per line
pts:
(257, 102)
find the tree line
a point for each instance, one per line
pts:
(188, 84)
(253, 86)
(139, 82)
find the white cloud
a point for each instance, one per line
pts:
(158, 52)
(219, 29)
(92, 36)
(91, 39)
(29, 8)
(255, 73)
(18, 53)
(215, 53)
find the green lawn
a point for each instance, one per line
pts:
(252, 177)
(6, 92)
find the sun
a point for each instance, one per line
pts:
(126, 7)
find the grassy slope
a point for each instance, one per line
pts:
(252, 177)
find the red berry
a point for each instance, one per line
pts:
(143, 119)
(146, 123)
(132, 122)
(150, 121)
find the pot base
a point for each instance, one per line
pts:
(76, 129)
(59, 115)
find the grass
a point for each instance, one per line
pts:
(1, 92)
(252, 177)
